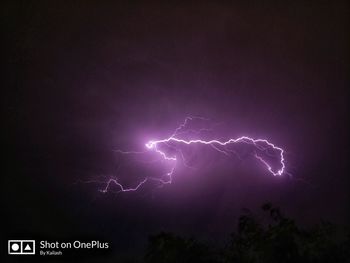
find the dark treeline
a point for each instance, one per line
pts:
(271, 238)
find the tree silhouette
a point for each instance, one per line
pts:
(167, 247)
(281, 240)
(278, 239)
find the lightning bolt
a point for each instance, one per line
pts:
(175, 142)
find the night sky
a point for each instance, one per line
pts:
(84, 78)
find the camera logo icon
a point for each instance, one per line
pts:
(21, 247)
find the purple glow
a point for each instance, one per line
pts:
(174, 143)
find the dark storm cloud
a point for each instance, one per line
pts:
(84, 79)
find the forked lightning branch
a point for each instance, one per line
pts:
(170, 150)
